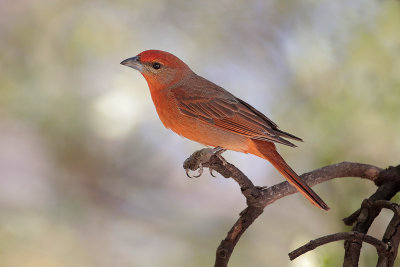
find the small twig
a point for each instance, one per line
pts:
(381, 204)
(368, 203)
(380, 246)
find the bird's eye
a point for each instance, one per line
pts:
(156, 65)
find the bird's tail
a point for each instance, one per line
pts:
(268, 151)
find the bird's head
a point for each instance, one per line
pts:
(161, 69)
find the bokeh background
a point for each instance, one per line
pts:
(88, 174)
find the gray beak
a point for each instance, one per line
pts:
(133, 62)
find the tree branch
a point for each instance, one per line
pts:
(225, 249)
(380, 246)
(258, 198)
(339, 170)
(391, 237)
(389, 184)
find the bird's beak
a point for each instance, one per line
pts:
(133, 62)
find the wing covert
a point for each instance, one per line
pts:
(227, 112)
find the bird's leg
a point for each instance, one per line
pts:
(218, 152)
(218, 149)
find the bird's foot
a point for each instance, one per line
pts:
(200, 159)
(197, 160)
(199, 174)
(218, 152)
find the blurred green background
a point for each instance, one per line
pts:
(88, 174)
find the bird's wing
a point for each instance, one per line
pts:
(218, 107)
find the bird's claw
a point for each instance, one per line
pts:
(200, 171)
(211, 172)
(187, 173)
(195, 176)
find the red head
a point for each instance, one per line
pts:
(161, 69)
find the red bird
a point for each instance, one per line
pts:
(204, 112)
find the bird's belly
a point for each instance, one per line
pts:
(202, 132)
(212, 136)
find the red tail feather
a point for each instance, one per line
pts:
(268, 151)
